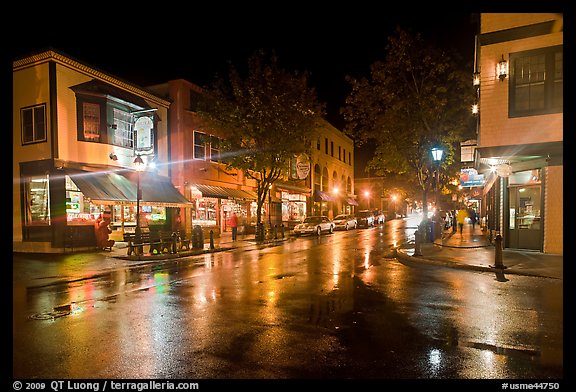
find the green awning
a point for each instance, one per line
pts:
(109, 187)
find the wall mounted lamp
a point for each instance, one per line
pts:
(476, 79)
(502, 69)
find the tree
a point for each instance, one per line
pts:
(416, 99)
(268, 116)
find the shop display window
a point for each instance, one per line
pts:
(37, 200)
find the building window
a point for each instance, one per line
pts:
(344, 155)
(536, 82)
(91, 121)
(33, 120)
(326, 145)
(317, 178)
(123, 135)
(200, 142)
(350, 158)
(37, 200)
(214, 149)
(339, 153)
(331, 148)
(318, 144)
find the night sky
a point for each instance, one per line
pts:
(329, 43)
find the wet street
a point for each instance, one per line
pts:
(337, 306)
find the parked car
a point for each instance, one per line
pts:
(314, 225)
(379, 217)
(345, 222)
(365, 218)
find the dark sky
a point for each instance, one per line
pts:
(151, 47)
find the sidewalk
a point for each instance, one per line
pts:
(471, 250)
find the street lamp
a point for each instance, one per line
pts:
(367, 196)
(394, 198)
(139, 166)
(437, 157)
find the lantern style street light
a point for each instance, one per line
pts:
(437, 157)
(139, 166)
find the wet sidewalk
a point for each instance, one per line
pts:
(472, 250)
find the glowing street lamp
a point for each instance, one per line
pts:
(367, 196)
(139, 166)
(437, 157)
(394, 199)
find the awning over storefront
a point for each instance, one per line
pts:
(158, 190)
(113, 188)
(292, 188)
(322, 196)
(350, 201)
(224, 193)
(102, 187)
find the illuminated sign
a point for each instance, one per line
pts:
(471, 178)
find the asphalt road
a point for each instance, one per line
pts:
(337, 307)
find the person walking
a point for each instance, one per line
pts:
(472, 216)
(234, 225)
(461, 218)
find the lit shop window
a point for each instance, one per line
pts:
(79, 208)
(37, 200)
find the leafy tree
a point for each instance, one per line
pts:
(268, 115)
(414, 100)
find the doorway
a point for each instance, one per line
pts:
(524, 218)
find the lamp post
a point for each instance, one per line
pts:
(367, 196)
(394, 198)
(437, 157)
(139, 166)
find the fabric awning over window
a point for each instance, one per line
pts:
(113, 188)
(223, 192)
(350, 201)
(322, 196)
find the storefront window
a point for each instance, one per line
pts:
(293, 207)
(37, 200)
(79, 209)
(152, 215)
(204, 212)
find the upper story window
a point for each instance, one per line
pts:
(91, 121)
(108, 114)
(536, 82)
(326, 145)
(206, 146)
(33, 120)
(122, 129)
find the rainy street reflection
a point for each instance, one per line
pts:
(338, 306)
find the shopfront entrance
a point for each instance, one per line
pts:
(524, 219)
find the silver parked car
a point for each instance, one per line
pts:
(365, 218)
(314, 225)
(345, 222)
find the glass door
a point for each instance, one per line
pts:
(524, 220)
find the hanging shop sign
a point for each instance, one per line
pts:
(471, 178)
(302, 166)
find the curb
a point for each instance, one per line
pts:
(471, 267)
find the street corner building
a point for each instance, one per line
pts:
(519, 80)
(77, 132)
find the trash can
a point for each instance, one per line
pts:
(197, 237)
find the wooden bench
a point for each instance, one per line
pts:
(158, 242)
